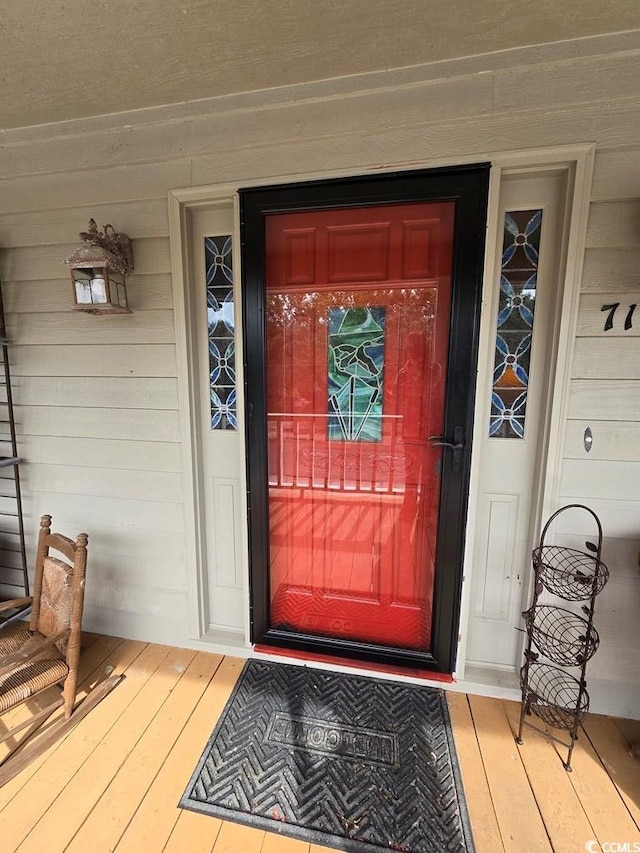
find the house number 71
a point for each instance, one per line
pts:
(612, 308)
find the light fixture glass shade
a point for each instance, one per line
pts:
(118, 290)
(91, 286)
(98, 269)
(99, 290)
(82, 284)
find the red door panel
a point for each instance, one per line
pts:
(358, 314)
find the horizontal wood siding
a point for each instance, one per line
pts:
(97, 397)
(605, 396)
(53, 294)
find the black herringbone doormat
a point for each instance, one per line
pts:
(355, 763)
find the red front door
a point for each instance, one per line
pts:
(358, 305)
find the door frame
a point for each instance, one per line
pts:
(467, 186)
(575, 164)
(577, 161)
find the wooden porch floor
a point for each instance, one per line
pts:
(113, 783)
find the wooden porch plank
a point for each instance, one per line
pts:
(484, 823)
(599, 796)
(154, 820)
(520, 823)
(60, 765)
(113, 811)
(613, 751)
(234, 837)
(81, 793)
(89, 638)
(512, 794)
(275, 843)
(92, 667)
(194, 832)
(564, 817)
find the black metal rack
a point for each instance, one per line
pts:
(562, 637)
(14, 578)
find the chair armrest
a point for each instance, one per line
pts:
(14, 603)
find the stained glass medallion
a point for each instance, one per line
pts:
(221, 328)
(356, 362)
(516, 308)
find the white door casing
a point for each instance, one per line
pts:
(221, 454)
(213, 463)
(507, 498)
(213, 460)
(572, 165)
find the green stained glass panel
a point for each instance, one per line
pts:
(356, 362)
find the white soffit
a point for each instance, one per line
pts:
(64, 61)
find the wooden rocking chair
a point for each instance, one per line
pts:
(48, 652)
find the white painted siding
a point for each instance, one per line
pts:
(605, 395)
(97, 402)
(97, 398)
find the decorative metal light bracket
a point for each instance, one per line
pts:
(99, 267)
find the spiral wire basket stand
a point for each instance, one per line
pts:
(568, 573)
(562, 637)
(556, 696)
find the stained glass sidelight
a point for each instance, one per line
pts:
(516, 307)
(220, 321)
(356, 361)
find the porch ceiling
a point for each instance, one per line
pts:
(70, 60)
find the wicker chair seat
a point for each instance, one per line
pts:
(8, 645)
(29, 679)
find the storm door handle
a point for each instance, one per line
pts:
(457, 446)
(438, 441)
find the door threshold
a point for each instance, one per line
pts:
(342, 664)
(494, 682)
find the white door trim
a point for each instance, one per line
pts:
(576, 161)
(181, 204)
(186, 369)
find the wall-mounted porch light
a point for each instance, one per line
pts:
(99, 267)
